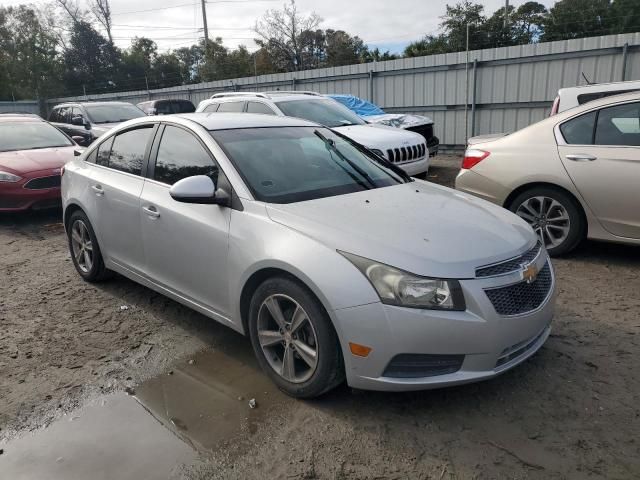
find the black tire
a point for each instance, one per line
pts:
(577, 222)
(98, 271)
(329, 370)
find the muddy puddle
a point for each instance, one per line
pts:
(196, 407)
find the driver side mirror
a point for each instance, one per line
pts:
(199, 189)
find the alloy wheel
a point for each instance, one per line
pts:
(548, 218)
(82, 246)
(287, 338)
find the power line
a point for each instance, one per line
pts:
(190, 5)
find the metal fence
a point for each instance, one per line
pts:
(494, 90)
(21, 106)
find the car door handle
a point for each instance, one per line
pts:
(151, 211)
(98, 189)
(581, 157)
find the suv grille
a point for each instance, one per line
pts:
(509, 266)
(521, 297)
(425, 130)
(406, 154)
(43, 182)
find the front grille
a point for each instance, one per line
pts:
(521, 297)
(406, 154)
(43, 182)
(518, 349)
(425, 130)
(508, 266)
(413, 365)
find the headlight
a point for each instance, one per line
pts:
(9, 177)
(396, 287)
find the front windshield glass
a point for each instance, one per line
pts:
(294, 164)
(112, 113)
(320, 110)
(30, 135)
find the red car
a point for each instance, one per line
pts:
(32, 153)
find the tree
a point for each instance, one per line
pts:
(102, 11)
(577, 19)
(528, 22)
(343, 49)
(455, 21)
(625, 16)
(279, 33)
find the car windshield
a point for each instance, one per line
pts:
(294, 164)
(112, 113)
(323, 111)
(30, 135)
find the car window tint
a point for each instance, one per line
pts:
(163, 108)
(53, 117)
(184, 106)
(63, 115)
(579, 130)
(257, 107)
(211, 108)
(619, 125)
(127, 152)
(181, 155)
(76, 112)
(231, 107)
(104, 150)
(92, 157)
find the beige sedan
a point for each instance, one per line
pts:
(570, 176)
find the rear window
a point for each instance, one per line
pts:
(579, 130)
(30, 136)
(589, 97)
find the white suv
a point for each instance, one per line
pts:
(405, 149)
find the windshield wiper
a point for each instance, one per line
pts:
(331, 145)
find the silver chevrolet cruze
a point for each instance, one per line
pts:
(332, 261)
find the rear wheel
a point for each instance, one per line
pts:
(293, 339)
(554, 216)
(84, 248)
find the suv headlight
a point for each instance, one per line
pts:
(396, 287)
(9, 177)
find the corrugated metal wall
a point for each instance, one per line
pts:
(21, 106)
(514, 86)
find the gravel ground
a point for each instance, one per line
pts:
(571, 411)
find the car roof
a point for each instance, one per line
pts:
(70, 104)
(19, 117)
(603, 86)
(228, 121)
(274, 96)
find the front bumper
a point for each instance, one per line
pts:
(490, 343)
(415, 168)
(15, 198)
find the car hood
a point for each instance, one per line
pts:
(398, 120)
(380, 136)
(25, 161)
(418, 227)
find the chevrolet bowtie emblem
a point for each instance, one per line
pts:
(529, 273)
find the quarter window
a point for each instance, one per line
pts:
(104, 150)
(231, 107)
(619, 125)
(257, 107)
(181, 155)
(127, 152)
(211, 108)
(579, 130)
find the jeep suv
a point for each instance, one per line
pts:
(405, 149)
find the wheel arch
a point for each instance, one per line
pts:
(68, 211)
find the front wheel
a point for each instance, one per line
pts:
(554, 216)
(293, 339)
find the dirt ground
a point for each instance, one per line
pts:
(571, 411)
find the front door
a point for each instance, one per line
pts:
(185, 244)
(604, 163)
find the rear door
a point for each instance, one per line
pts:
(117, 185)
(185, 243)
(602, 157)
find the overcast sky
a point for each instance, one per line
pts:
(383, 23)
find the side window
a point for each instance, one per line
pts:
(579, 130)
(76, 112)
(257, 107)
(182, 106)
(619, 125)
(92, 157)
(181, 155)
(163, 108)
(127, 152)
(211, 108)
(104, 150)
(64, 115)
(53, 116)
(231, 107)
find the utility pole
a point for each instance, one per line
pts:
(466, 88)
(204, 24)
(506, 13)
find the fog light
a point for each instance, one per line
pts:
(359, 350)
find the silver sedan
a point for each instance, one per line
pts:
(335, 263)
